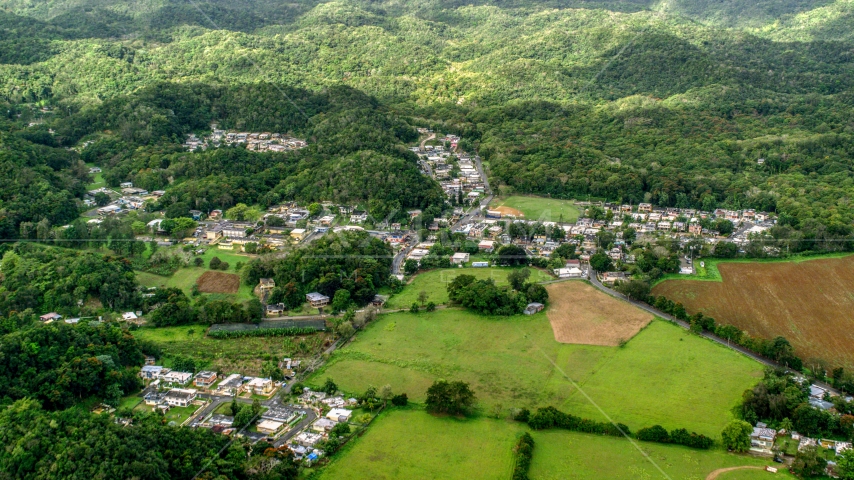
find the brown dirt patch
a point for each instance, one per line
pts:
(716, 473)
(810, 303)
(218, 282)
(509, 211)
(579, 313)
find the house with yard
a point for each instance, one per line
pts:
(317, 300)
(762, 439)
(323, 425)
(486, 245)
(259, 386)
(460, 258)
(150, 372)
(153, 399)
(275, 309)
(204, 379)
(266, 285)
(231, 385)
(308, 439)
(222, 420)
(807, 442)
(339, 414)
(269, 427)
(176, 378)
(298, 234)
(612, 277)
(180, 397)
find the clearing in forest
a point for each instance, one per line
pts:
(579, 313)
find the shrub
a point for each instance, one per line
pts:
(523, 452)
(400, 400)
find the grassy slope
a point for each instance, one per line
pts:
(244, 355)
(664, 375)
(414, 444)
(435, 283)
(540, 208)
(186, 277)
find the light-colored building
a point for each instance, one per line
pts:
(339, 414)
(204, 379)
(762, 439)
(179, 378)
(317, 300)
(180, 397)
(323, 425)
(259, 386)
(459, 258)
(270, 427)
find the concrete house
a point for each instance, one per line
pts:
(205, 379)
(180, 397)
(317, 300)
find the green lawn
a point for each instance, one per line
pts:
(569, 455)
(186, 277)
(414, 444)
(435, 283)
(244, 355)
(664, 375)
(541, 208)
(130, 401)
(97, 179)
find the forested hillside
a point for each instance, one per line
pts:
(673, 103)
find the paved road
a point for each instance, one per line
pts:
(765, 361)
(310, 417)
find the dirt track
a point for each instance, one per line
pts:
(714, 475)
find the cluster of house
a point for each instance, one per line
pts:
(257, 141)
(762, 440)
(319, 430)
(454, 175)
(176, 396)
(125, 199)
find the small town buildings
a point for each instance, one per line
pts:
(317, 300)
(204, 379)
(460, 258)
(180, 397)
(222, 420)
(486, 245)
(806, 442)
(149, 360)
(308, 439)
(270, 427)
(339, 414)
(154, 398)
(645, 207)
(533, 308)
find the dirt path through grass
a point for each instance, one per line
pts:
(714, 475)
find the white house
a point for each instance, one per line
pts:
(339, 414)
(180, 397)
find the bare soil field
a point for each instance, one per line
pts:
(579, 313)
(218, 282)
(811, 303)
(509, 211)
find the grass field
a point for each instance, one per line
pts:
(414, 444)
(540, 208)
(244, 355)
(435, 283)
(808, 302)
(508, 362)
(579, 313)
(97, 179)
(185, 278)
(569, 455)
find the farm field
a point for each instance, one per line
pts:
(808, 302)
(218, 282)
(435, 283)
(414, 444)
(244, 355)
(598, 319)
(508, 362)
(538, 208)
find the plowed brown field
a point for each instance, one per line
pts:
(218, 282)
(509, 211)
(579, 313)
(811, 303)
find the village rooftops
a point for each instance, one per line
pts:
(317, 299)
